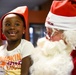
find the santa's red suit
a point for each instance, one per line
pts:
(73, 54)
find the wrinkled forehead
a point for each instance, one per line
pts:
(54, 29)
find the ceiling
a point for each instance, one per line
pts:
(6, 6)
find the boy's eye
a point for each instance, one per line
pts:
(17, 24)
(7, 24)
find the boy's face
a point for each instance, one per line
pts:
(13, 27)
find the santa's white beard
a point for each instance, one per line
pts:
(51, 58)
(70, 37)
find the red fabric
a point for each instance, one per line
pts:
(73, 54)
(3, 37)
(64, 7)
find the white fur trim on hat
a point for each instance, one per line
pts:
(60, 22)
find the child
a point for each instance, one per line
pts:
(15, 53)
(55, 54)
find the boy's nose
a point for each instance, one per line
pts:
(12, 26)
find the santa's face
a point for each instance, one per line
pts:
(70, 38)
(53, 34)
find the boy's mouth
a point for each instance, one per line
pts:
(12, 33)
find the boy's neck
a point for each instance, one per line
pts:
(13, 44)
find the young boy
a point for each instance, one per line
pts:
(55, 54)
(15, 53)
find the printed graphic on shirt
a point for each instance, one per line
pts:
(10, 65)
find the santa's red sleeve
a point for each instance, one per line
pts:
(73, 54)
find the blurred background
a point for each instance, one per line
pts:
(38, 10)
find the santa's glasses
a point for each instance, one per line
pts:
(52, 32)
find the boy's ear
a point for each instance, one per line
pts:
(24, 30)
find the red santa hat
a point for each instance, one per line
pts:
(62, 15)
(22, 10)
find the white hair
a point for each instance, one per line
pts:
(70, 37)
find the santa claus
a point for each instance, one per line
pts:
(55, 54)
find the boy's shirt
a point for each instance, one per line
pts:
(10, 61)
